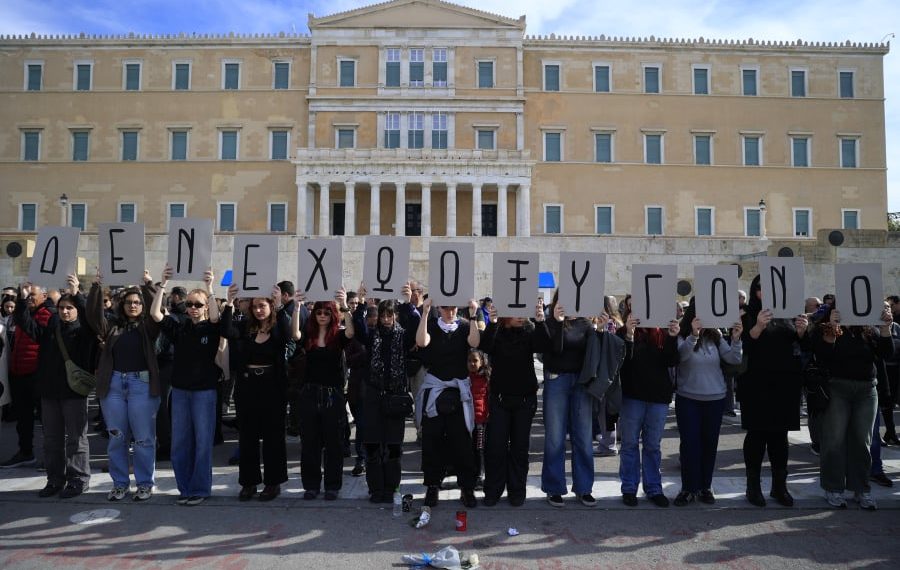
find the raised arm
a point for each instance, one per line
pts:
(295, 318)
(22, 316)
(341, 299)
(95, 314)
(228, 328)
(474, 332)
(423, 339)
(156, 306)
(212, 306)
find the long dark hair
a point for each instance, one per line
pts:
(685, 328)
(120, 304)
(312, 326)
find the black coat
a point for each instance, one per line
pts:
(769, 391)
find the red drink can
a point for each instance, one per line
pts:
(461, 521)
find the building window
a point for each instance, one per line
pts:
(416, 67)
(849, 153)
(748, 81)
(651, 79)
(551, 77)
(701, 80)
(281, 75)
(653, 148)
(181, 76)
(78, 215)
(127, 212)
(81, 143)
(602, 83)
(845, 84)
(279, 143)
(227, 216)
(179, 145)
(176, 210)
(798, 83)
(129, 145)
(439, 67)
(752, 154)
(489, 220)
(703, 149)
(277, 217)
(346, 138)
(603, 147)
(133, 76)
(751, 222)
(392, 130)
(347, 72)
(392, 67)
(800, 151)
(34, 76)
(486, 139)
(553, 223)
(485, 74)
(604, 218)
(231, 75)
(654, 215)
(27, 217)
(416, 130)
(553, 147)
(83, 72)
(228, 145)
(802, 222)
(850, 219)
(31, 145)
(704, 221)
(439, 130)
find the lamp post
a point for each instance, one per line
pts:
(762, 219)
(64, 204)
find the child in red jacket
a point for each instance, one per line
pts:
(479, 375)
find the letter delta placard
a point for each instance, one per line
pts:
(54, 256)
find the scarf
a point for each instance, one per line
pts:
(448, 327)
(396, 378)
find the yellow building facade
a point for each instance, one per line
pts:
(421, 117)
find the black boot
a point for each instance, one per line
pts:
(392, 473)
(779, 488)
(754, 489)
(375, 479)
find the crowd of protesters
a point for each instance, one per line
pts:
(169, 364)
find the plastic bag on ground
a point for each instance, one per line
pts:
(447, 557)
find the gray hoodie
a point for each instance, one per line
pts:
(700, 372)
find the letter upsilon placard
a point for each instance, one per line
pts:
(783, 286)
(451, 273)
(54, 256)
(515, 284)
(859, 293)
(190, 247)
(386, 266)
(716, 295)
(582, 278)
(319, 267)
(653, 294)
(255, 265)
(122, 253)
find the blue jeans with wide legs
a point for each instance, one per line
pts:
(641, 423)
(567, 407)
(699, 423)
(130, 412)
(845, 457)
(193, 430)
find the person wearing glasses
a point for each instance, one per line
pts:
(128, 384)
(194, 378)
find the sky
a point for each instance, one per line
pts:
(810, 20)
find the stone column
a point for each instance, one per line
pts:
(350, 208)
(476, 208)
(426, 209)
(324, 205)
(302, 230)
(400, 210)
(501, 210)
(523, 211)
(451, 209)
(375, 210)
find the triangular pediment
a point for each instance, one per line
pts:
(415, 14)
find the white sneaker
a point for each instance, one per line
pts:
(117, 494)
(865, 500)
(836, 500)
(144, 492)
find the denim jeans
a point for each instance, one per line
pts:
(130, 411)
(875, 448)
(845, 458)
(193, 429)
(699, 422)
(641, 422)
(567, 406)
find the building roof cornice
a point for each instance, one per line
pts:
(336, 18)
(156, 40)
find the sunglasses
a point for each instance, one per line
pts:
(323, 313)
(133, 303)
(193, 305)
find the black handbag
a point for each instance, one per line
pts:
(816, 380)
(448, 402)
(397, 404)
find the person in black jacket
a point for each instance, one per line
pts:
(63, 412)
(511, 343)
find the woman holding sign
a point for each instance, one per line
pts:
(261, 343)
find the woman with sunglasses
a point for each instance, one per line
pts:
(262, 343)
(128, 383)
(322, 403)
(195, 378)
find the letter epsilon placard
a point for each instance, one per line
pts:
(386, 266)
(859, 293)
(451, 273)
(783, 286)
(319, 268)
(582, 279)
(54, 256)
(255, 265)
(190, 247)
(716, 295)
(515, 284)
(122, 252)
(653, 294)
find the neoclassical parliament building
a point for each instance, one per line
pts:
(426, 118)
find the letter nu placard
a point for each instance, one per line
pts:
(783, 287)
(190, 247)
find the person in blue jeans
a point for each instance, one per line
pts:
(195, 378)
(646, 394)
(128, 384)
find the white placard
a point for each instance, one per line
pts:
(386, 266)
(122, 253)
(451, 273)
(653, 294)
(319, 267)
(716, 295)
(582, 280)
(859, 293)
(255, 265)
(515, 284)
(54, 256)
(783, 286)
(190, 247)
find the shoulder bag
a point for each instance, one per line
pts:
(80, 380)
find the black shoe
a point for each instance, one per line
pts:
(706, 496)
(247, 492)
(882, 480)
(19, 460)
(754, 497)
(72, 490)
(269, 492)
(684, 498)
(782, 497)
(49, 490)
(468, 498)
(374, 497)
(234, 460)
(230, 423)
(630, 499)
(291, 432)
(556, 501)
(517, 501)
(431, 496)
(310, 495)
(891, 439)
(358, 469)
(331, 495)
(660, 500)
(489, 501)
(814, 447)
